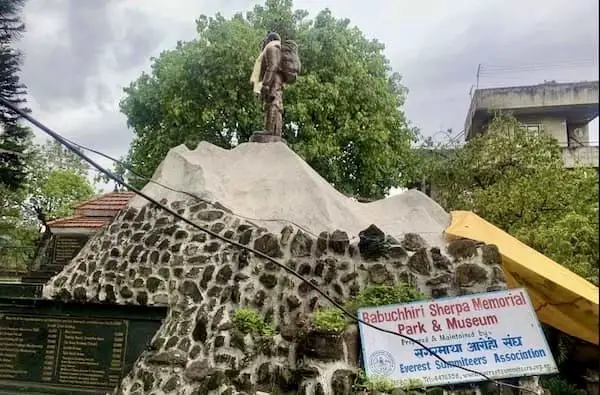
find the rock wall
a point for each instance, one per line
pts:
(146, 257)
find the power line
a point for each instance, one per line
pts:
(538, 66)
(262, 255)
(502, 76)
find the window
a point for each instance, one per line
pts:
(532, 127)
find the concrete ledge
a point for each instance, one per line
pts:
(543, 95)
(262, 137)
(580, 156)
(577, 101)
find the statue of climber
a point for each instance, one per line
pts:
(277, 64)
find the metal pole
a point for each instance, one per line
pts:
(478, 70)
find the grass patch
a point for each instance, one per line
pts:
(329, 320)
(249, 321)
(381, 295)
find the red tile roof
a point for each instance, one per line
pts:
(109, 204)
(80, 221)
(109, 201)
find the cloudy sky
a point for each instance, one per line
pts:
(79, 54)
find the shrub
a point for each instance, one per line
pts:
(381, 295)
(559, 386)
(331, 320)
(412, 384)
(380, 384)
(249, 321)
(374, 383)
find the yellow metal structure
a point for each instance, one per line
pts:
(561, 298)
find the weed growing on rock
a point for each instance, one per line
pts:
(374, 383)
(381, 384)
(249, 321)
(559, 386)
(412, 385)
(329, 320)
(381, 295)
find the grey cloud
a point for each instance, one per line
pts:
(59, 71)
(439, 77)
(437, 56)
(63, 71)
(88, 28)
(107, 134)
(491, 43)
(140, 39)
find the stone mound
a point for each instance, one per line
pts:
(145, 257)
(274, 187)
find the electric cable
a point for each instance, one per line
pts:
(257, 253)
(537, 66)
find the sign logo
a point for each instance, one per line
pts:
(382, 363)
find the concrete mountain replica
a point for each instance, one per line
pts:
(266, 197)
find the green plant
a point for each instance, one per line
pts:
(412, 384)
(565, 346)
(249, 321)
(559, 386)
(517, 180)
(374, 383)
(328, 320)
(380, 384)
(381, 295)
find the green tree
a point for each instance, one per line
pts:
(14, 138)
(56, 157)
(516, 180)
(57, 180)
(13, 229)
(121, 169)
(343, 116)
(18, 235)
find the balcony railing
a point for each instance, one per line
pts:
(15, 260)
(580, 156)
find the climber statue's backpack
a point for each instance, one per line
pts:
(290, 61)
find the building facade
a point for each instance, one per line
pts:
(562, 110)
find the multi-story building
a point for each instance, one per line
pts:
(562, 110)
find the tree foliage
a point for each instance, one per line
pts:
(343, 116)
(14, 138)
(13, 229)
(57, 180)
(120, 169)
(516, 180)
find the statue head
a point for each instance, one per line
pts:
(270, 37)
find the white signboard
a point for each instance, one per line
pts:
(497, 334)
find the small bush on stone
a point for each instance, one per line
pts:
(249, 321)
(559, 386)
(380, 384)
(374, 383)
(381, 295)
(330, 320)
(412, 385)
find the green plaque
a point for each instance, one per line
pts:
(66, 247)
(68, 351)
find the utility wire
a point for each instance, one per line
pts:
(262, 255)
(537, 66)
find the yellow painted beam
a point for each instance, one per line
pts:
(561, 298)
